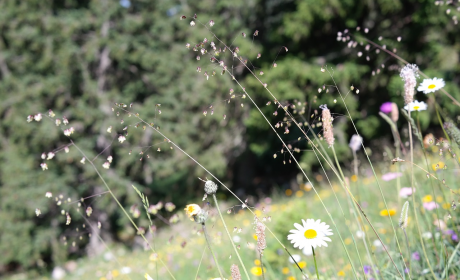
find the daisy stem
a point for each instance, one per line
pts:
(210, 249)
(230, 237)
(314, 258)
(413, 199)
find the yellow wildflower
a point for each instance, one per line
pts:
(354, 178)
(385, 212)
(191, 210)
(302, 264)
(427, 198)
(257, 270)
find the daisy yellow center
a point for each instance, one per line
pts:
(416, 107)
(310, 233)
(431, 86)
(191, 209)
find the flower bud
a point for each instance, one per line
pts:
(210, 187)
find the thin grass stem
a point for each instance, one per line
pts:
(210, 249)
(230, 237)
(121, 206)
(199, 264)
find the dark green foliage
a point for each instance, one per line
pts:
(78, 58)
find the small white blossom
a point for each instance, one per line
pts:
(43, 156)
(89, 211)
(38, 212)
(65, 121)
(38, 117)
(83, 160)
(66, 149)
(110, 158)
(30, 118)
(44, 166)
(355, 142)
(109, 130)
(192, 23)
(106, 165)
(121, 138)
(50, 155)
(58, 122)
(67, 132)
(49, 194)
(51, 113)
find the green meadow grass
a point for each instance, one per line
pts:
(185, 250)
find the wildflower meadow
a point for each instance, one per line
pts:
(229, 140)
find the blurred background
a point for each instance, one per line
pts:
(79, 58)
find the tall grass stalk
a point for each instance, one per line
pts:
(271, 94)
(121, 206)
(211, 174)
(397, 144)
(103, 242)
(446, 268)
(343, 214)
(230, 237)
(203, 225)
(372, 167)
(199, 264)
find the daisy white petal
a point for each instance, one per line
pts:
(431, 85)
(416, 106)
(311, 234)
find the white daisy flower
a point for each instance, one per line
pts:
(310, 234)
(416, 106)
(307, 251)
(431, 85)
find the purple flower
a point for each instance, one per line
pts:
(367, 269)
(430, 205)
(406, 270)
(416, 256)
(455, 237)
(391, 176)
(386, 107)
